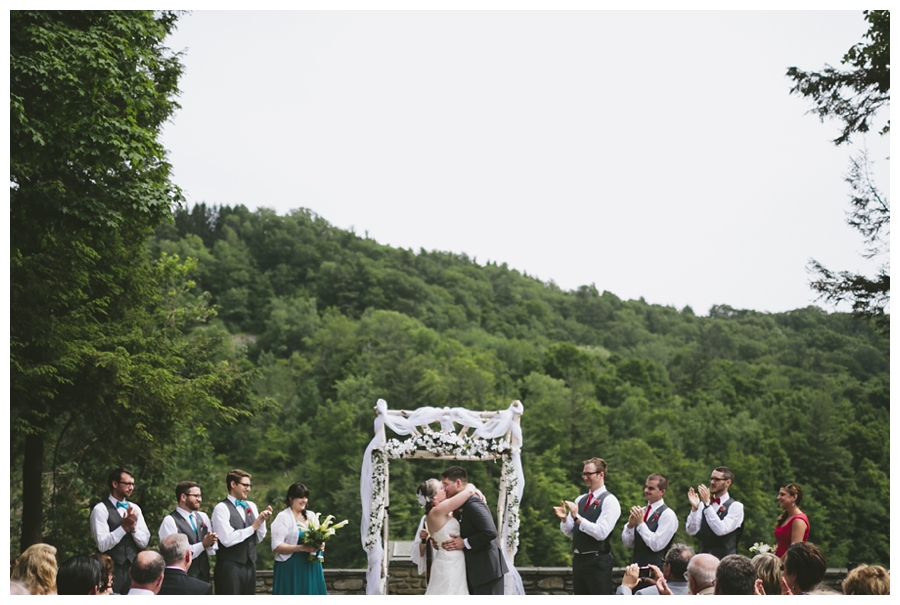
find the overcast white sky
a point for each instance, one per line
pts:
(653, 154)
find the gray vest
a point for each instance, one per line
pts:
(643, 556)
(200, 565)
(243, 551)
(719, 546)
(125, 549)
(582, 542)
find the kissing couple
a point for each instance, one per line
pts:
(467, 558)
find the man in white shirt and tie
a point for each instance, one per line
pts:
(651, 529)
(188, 519)
(119, 528)
(239, 525)
(589, 521)
(715, 516)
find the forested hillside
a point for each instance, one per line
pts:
(335, 321)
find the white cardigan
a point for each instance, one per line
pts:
(285, 531)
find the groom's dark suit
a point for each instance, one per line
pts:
(484, 561)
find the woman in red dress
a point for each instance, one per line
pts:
(792, 526)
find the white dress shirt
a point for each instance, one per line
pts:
(286, 530)
(600, 530)
(221, 524)
(106, 539)
(141, 592)
(168, 527)
(665, 529)
(720, 527)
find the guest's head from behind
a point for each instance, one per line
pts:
(867, 579)
(107, 570)
(767, 568)
(702, 573)
(176, 551)
(734, 576)
(80, 575)
(676, 561)
(426, 493)
(804, 567)
(147, 571)
(36, 569)
(297, 498)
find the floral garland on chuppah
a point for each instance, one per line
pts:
(499, 437)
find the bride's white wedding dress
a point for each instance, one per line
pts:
(448, 569)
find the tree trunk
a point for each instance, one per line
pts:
(32, 491)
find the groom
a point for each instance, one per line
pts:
(478, 538)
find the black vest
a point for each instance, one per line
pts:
(125, 549)
(643, 556)
(582, 542)
(243, 551)
(719, 546)
(200, 565)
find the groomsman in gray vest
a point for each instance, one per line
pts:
(119, 528)
(651, 529)
(589, 521)
(239, 525)
(715, 517)
(188, 519)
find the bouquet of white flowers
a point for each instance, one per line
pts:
(761, 548)
(319, 533)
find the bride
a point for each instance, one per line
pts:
(448, 570)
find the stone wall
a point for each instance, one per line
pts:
(405, 580)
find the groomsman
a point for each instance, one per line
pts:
(651, 529)
(720, 520)
(188, 519)
(589, 521)
(240, 525)
(119, 528)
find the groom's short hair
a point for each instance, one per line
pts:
(456, 472)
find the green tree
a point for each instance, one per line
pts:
(855, 97)
(99, 337)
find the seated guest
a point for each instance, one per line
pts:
(177, 554)
(674, 570)
(767, 568)
(702, 574)
(36, 569)
(146, 573)
(107, 573)
(867, 579)
(734, 576)
(80, 575)
(804, 567)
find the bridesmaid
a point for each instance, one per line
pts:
(294, 573)
(792, 526)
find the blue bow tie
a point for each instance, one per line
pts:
(242, 503)
(124, 505)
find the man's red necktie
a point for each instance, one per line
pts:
(590, 499)
(647, 513)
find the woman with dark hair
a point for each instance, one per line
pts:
(108, 568)
(793, 525)
(804, 567)
(294, 573)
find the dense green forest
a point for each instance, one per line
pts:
(335, 321)
(184, 344)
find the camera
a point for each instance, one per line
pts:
(645, 572)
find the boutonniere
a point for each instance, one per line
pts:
(655, 517)
(721, 509)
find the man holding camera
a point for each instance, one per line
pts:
(673, 571)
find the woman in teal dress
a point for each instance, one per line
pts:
(295, 574)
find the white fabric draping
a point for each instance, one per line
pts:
(499, 425)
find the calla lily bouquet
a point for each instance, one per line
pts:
(319, 533)
(761, 548)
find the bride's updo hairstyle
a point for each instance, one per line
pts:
(425, 493)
